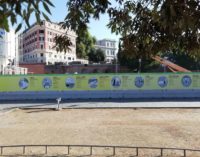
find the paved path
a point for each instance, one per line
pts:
(103, 104)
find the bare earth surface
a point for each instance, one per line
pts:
(127, 127)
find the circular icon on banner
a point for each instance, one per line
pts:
(23, 83)
(93, 82)
(70, 82)
(47, 83)
(186, 81)
(116, 81)
(162, 81)
(139, 81)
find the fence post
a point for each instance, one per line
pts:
(113, 151)
(184, 151)
(1, 150)
(24, 149)
(90, 150)
(137, 152)
(68, 150)
(46, 149)
(161, 151)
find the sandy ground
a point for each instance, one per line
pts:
(129, 127)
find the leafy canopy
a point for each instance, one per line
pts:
(15, 10)
(147, 27)
(96, 55)
(84, 44)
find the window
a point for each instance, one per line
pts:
(107, 52)
(69, 58)
(41, 38)
(41, 31)
(41, 46)
(41, 54)
(41, 61)
(55, 56)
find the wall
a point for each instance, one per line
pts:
(85, 86)
(34, 68)
(61, 69)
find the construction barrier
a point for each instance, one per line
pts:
(120, 84)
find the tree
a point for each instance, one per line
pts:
(147, 27)
(96, 55)
(184, 60)
(84, 44)
(147, 64)
(12, 11)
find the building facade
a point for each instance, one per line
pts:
(8, 53)
(9, 58)
(37, 44)
(109, 48)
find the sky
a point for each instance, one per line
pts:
(97, 28)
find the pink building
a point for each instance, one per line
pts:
(37, 42)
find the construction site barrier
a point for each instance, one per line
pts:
(86, 86)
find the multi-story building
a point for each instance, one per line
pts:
(37, 44)
(109, 48)
(7, 47)
(9, 53)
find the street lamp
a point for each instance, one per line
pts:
(140, 65)
(164, 66)
(116, 65)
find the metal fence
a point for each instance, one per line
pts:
(91, 147)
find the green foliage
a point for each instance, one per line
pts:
(84, 44)
(10, 10)
(184, 60)
(96, 55)
(64, 43)
(147, 64)
(147, 27)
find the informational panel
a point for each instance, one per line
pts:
(82, 82)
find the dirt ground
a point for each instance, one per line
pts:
(126, 127)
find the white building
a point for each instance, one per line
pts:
(37, 44)
(9, 53)
(109, 48)
(7, 47)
